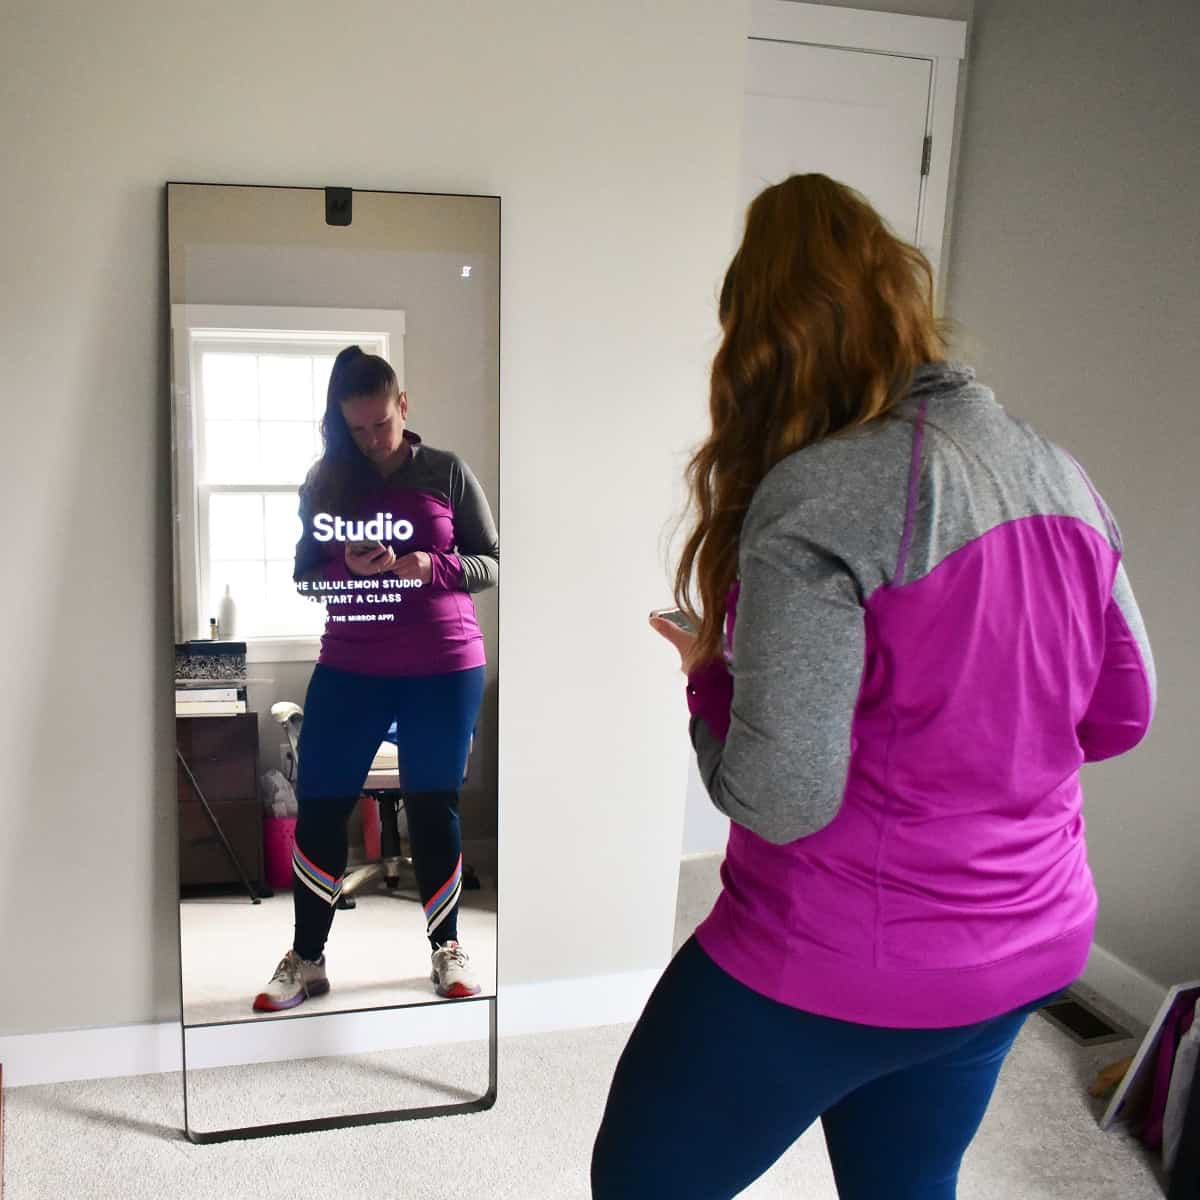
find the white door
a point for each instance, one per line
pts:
(861, 117)
(856, 116)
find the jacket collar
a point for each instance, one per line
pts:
(951, 381)
(949, 376)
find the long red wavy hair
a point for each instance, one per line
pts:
(825, 315)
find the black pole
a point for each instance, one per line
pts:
(233, 858)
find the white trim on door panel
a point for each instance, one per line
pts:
(858, 29)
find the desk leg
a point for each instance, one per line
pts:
(212, 820)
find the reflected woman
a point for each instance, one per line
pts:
(401, 644)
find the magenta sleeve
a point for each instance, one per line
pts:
(709, 695)
(446, 572)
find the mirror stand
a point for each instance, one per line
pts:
(349, 1120)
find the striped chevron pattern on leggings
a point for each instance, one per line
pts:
(442, 902)
(319, 882)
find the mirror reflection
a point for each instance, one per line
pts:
(337, 560)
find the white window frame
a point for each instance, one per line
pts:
(942, 42)
(194, 324)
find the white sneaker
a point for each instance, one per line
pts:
(452, 974)
(295, 979)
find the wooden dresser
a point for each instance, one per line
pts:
(222, 753)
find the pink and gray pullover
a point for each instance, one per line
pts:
(375, 626)
(931, 632)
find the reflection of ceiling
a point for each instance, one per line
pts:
(295, 217)
(279, 275)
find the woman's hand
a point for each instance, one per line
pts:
(417, 565)
(683, 641)
(374, 561)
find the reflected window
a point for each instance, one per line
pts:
(249, 433)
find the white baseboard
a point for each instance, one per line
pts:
(118, 1051)
(1123, 986)
(527, 1008)
(575, 1003)
(104, 1053)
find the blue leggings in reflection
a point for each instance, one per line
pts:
(345, 718)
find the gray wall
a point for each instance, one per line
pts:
(1074, 270)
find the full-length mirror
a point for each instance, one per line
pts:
(335, 391)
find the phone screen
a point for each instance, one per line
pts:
(676, 616)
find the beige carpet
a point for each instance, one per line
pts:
(119, 1140)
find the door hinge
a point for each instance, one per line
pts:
(926, 154)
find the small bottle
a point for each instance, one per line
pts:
(227, 615)
(214, 631)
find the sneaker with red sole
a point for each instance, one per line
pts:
(451, 975)
(294, 981)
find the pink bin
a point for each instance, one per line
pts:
(368, 808)
(279, 837)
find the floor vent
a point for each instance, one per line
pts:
(1082, 1022)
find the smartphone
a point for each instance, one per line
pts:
(366, 547)
(676, 616)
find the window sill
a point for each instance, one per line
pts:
(282, 649)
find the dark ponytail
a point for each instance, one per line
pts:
(342, 467)
(356, 373)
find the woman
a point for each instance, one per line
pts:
(396, 537)
(928, 631)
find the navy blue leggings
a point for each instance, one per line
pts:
(345, 718)
(717, 1081)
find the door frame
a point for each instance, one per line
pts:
(942, 42)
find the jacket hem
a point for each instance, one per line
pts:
(896, 997)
